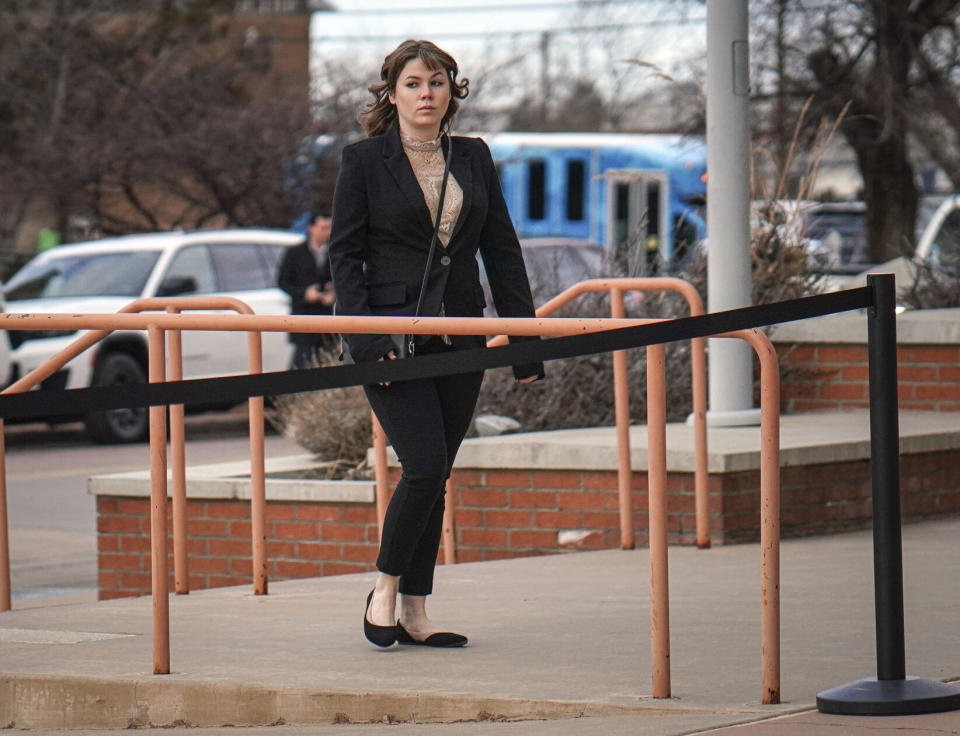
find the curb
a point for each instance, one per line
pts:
(37, 701)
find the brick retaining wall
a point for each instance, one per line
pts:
(305, 539)
(518, 512)
(824, 361)
(834, 377)
(507, 513)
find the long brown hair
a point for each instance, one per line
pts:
(380, 114)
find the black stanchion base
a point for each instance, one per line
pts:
(873, 697)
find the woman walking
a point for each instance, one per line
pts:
(407, 184)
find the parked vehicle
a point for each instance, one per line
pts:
(837, 232)
(939, 242)
(938, 246)
(5, 366)
(605, 187)
(836, 235)
(104, 276)
(556, 264)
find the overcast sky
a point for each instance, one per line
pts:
(574, 38)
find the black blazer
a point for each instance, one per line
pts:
(380, 237)
(299, 270)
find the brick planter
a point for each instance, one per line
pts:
(305, 539)
(826, 369)
(516, 512)
(551, 492)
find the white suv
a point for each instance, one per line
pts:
(103, 276)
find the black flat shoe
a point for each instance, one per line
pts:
(439, 639)
(382, 636)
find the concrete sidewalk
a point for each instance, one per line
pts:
(558, 643)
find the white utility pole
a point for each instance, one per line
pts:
(728, 206)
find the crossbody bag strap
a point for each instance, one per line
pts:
(436, 234)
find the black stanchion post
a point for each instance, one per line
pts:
(891, 692)
(885, 478)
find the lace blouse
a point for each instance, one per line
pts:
(426, 160)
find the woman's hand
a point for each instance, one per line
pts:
(389, 356)
(528, 379)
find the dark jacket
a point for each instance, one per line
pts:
(298, 270)
(381, 234)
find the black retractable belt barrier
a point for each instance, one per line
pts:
(891, 692)
(237, 388)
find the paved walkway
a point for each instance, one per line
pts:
(560, 644)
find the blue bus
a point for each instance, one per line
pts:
(605, 187)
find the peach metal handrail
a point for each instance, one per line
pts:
(178, 465)
(616, 288)
(258, 536)
(769, 516)
(155, 324)
(129, 318)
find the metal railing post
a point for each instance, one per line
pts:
(178, 467)
(258, 478)
(621, 406)
(5, 595)
(769, 516)
(657, 505)
(698, 365)
(769, 511)
(158, 511)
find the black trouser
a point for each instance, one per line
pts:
(425, 421)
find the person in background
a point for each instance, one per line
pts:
(305, 275)
(385, 212)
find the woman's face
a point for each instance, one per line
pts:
(422, 96)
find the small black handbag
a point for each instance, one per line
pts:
(405, 346)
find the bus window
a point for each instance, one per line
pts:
(621, 223)
(653, 207)
(536, 187)
(653, 221)
(576, 174)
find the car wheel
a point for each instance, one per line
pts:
(118, 425)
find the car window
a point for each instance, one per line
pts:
(272, 255)
(841, 236)
(121, 273)
(240, 267)
(194, 261)
(945, 251)
(552, 269)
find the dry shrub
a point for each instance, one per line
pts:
(781, 268)
(933, 288)
(334, 424)
(578, 392)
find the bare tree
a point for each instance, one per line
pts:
(878, 59)
(143, 116)
(935, 97)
